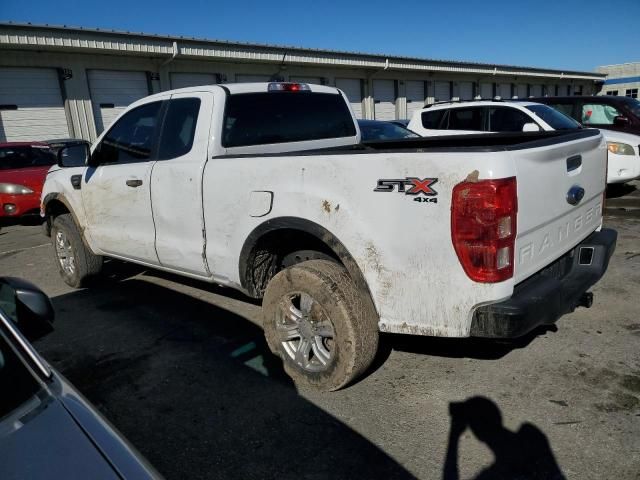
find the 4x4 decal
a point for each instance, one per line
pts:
(410, 186)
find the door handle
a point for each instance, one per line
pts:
(134, 183)
(76, 181)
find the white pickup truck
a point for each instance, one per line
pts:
(267, 189)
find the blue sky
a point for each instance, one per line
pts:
(569, 34)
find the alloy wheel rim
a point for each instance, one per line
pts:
(64, 252)
(305, 332)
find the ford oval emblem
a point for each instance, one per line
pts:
(575, 194)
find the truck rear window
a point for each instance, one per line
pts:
(280, 117)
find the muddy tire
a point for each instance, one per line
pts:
(76, 263)
(320, 324)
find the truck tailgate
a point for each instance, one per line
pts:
(550, 179)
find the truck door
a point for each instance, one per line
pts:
(176, 183)
(116, 188)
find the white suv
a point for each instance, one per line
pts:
(493, 116)
(488, 116)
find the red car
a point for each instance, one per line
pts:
(23, 168)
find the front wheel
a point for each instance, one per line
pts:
(76, 263)
(323, 328)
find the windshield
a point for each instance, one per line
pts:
(25, 157)
(384, 131)
(555, 119)
(633, 104)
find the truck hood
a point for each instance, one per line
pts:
(622, 137)
(32, 177)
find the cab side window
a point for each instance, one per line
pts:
(465, 119)
(598, 114)
(504, 119)
(131, 138)
(433, 119)
(178, 128)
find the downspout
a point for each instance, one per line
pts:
(370, 86)
(173, 55)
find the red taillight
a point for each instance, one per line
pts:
(483, 228)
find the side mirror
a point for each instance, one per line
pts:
(27, 307)
(531, 127)
(74, 155)
(620, 121)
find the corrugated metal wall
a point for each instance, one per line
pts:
(86, 118)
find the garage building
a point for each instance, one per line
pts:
(622, 79)
(60, 82)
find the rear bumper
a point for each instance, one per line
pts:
(546, 296)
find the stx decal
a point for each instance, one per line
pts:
(408, 186)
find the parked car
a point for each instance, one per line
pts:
(380, 130)
(488, 116)
(403, 122)
(266, 188)
(606, 112)
(47, 428)
(23, 168)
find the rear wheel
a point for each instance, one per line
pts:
(323, 328)
(76, 263)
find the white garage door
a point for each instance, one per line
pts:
(352, 88)
(384, 98)
(182, 80)
(415, 97)
(504, 90)
(486, 90)
(442, 91)
(312, 80)
(536, 90)
(521, 90)
(112, 91)
(465, 90)
(31, 106)
(242, 78)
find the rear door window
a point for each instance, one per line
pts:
(281, 117)
(505, 119)
(433, 119)
(598, 114)
(178, 128)
(465, 119)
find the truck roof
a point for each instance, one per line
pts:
(235, 88)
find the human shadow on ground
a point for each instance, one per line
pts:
(195, 389)
(524, 454)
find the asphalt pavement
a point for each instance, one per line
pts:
(181, 368)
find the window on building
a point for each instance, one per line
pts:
(612, 92)
(631, 92)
